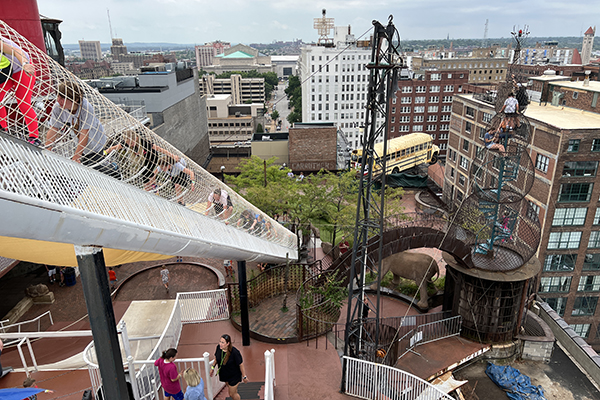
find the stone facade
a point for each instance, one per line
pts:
(312, 147)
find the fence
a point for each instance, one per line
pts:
(368, 380)
(269, 374)
(192, 307)
(428, 333)
(22, 326)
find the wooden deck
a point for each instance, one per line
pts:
(270, 321)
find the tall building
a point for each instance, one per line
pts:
(242, 90)
(230, 123)
(240, 58)
(424, 104)
(206, 52)
(565, 151)
(117, 48)
(90, 50)
(482, 70)
(588, 45)
(334, 84)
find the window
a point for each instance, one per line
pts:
(597, 217)
(541, 163)
(445, 118)
(459, 195)
(486, 117)
(447, 99)
(419, 109)
(403, 128)
(582, 330)
(417, 128)
(406, 100)
(564, 240)
(558, 304)
(420, 89)
(444, 127)
(432, 118)
(432, 109)
(596, 145)
(589, 283)
(594, 241)
(404, 119)
(575, 95)
(569, 216)
(419, 99)
(449, 88)
(405, 109)
(580, 168)
(465, 145)
(451, 172)
(436, 77)
(470, 112)
(575, 192)
(406, 89)
(560, 262)
(434, 89)
(461, 179)
(468, 127)
(555, 284)
(573, 146)
(446, 108)
(418, 118)
(434, 99)
(481, 133)
(584, 306)
(464, 163)
(591, 262)
(431, 128)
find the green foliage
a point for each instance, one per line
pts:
(259, 128)
(333, 290)
(275, 115)
(294, 94)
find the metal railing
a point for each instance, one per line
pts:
(20, 325)
(428, 333)
(205, 306)
(269, 374)
(368, 380)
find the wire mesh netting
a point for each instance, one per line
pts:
(47, 106)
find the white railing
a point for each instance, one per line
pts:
(20, 325)
(204, 306)
(368, 380)
(191, 307)
(269, 374)
(429, 332)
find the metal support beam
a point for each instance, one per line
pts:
(94, 281)
(244, 303)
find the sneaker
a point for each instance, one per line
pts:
(34, 141)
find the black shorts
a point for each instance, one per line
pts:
(219, 206)
(182, 179)
(5, 73)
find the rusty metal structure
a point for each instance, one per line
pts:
(498, 224)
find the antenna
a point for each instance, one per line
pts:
(109, 24)
(485, 33)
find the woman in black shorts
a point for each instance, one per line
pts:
(229, 366)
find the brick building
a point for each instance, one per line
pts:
(565, 151)
(424, 104)
(312, 147)
(482, 71)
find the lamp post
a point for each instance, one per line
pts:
(223, 173)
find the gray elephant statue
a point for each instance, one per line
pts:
(411, 266)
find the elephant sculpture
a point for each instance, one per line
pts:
(413, 266)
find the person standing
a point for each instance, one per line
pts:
(51, 272)
(229, 365)
(164, 275)
(195, 389)
(169, 378)
(18, 74)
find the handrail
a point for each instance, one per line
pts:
(19, 324)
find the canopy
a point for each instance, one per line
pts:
(18, 393)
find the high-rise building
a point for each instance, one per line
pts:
(588, 45)
(117, 48)
(206, 52)
(565, 153)
(335, 84)
(424, 104)
(482, 71)
(90, 50)
(242, 90)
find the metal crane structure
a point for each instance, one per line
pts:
(362, 341)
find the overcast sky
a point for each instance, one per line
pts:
(265, 21)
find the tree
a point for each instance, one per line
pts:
(259, 128)
(275, 115)
(294, 94)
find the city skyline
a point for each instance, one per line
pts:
(265, 21)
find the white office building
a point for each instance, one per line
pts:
(335, 82)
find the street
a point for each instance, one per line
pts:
(279, 102)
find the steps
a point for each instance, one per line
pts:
(247, 391)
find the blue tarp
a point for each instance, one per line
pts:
(516, 385)
(18, 393)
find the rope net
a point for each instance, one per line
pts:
(47, 106)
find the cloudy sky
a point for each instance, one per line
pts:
(264, 21)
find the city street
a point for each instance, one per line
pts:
(279, 102)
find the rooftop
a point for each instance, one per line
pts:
(560, 117)
(594, 86)
(237, 54)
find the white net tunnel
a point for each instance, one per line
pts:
(103, 171)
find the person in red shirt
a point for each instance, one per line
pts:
(169, 378)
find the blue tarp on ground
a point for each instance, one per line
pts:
(517, 385)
